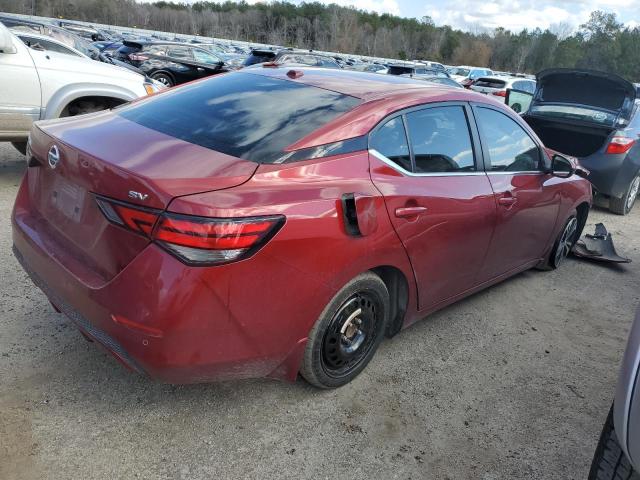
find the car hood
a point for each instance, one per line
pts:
(608, 97)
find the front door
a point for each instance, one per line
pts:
(438, 198)
(527, 199)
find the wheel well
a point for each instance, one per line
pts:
(398, 288)
(78, 105)
(582, 212)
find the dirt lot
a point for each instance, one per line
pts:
(512, 383)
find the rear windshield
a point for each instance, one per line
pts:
(259, 57)
(245, 115)
(490, 83)
(399, 70)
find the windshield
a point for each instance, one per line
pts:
(241, 114)
(463, 72)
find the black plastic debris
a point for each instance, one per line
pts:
(598, 246)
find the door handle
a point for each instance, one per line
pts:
(507, 200)
(406, 212)
(200, 69)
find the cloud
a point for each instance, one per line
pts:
(517, 15)
(379, 6)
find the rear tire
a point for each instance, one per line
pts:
(609, 461)
(623, 205)
(20, 146)
(348, 333)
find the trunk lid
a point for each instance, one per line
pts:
(583, 97)
(111, 156)
(107, 155)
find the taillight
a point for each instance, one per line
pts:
(620, 145)
(210, 241)
(501, 93)
(137, 219)
(137, 57)
(194, 240)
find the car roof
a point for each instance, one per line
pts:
(380, 95)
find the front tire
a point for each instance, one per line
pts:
(623, 205)
(564, 243)
(348, 333)
(609, 461)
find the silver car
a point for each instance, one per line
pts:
(617, 456)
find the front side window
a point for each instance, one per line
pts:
(510, 148)
(440, 140)
(391, 141)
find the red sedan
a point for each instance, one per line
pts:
(271, 222)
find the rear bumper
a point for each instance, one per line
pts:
(611, 174)
(176, 323)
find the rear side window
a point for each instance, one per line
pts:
(391, 141)
(510, 148)
(241, 114)
(440, 140)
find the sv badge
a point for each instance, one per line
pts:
(138, 195)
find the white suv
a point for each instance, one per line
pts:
(42, 84)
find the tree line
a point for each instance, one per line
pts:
(602, 43)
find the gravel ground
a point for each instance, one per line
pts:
(512, 383)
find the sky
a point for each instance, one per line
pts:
(514, 15)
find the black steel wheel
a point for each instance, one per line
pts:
(348, 332)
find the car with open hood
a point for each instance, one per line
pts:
(594, 116)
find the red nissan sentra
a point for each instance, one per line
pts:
(271, 222)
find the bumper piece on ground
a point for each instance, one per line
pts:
(599, 247)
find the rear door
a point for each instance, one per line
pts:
(426, 163)
(527, 199)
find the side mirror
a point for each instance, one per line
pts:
(518, 100)
(561, 167)
(6, 41)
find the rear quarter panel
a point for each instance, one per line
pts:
(312, 256)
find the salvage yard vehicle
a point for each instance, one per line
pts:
(43, 84)
(465, 75)
(617, 455)
(200, 235)
(49, 44)
(170, 63)
(289, 56)
(594, 116)
(498, 86)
